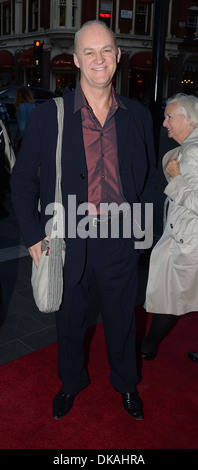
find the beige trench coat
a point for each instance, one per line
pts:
(173, 272)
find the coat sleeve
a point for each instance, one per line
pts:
(183, 189)
(25, 184)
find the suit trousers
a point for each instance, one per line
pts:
(112, 263)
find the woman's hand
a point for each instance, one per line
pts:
(173, 168)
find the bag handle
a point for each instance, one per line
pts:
(60, 118)
(58, 192)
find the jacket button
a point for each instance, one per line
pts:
(171, 225)
(80, 201)
(82, 176)
(181, 240)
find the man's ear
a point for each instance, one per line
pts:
(118, 55)
(76, 62)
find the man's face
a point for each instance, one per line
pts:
(96, 56)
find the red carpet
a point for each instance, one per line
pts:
(169, 389)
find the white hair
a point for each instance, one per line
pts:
(188, 105)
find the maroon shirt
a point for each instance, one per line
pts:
(100, 144)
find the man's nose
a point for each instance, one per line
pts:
(99, 57)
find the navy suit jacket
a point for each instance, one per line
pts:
(137, 166)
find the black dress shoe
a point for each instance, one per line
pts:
(132, 403)
(193, 356)
(149, 356)
(62, 404)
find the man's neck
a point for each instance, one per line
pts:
(99, 100)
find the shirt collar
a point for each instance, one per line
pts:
(81, 101)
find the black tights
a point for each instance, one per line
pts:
(160, 326)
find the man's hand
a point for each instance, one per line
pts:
(35, 252)
(173, 168)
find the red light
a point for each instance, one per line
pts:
(105, 15)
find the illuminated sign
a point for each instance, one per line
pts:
(105, 15)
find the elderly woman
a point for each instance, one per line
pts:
(173, 272)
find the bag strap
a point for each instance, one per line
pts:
(60, 118)
(58, 192)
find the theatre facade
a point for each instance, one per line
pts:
(53, 23)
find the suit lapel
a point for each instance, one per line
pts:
(73, 137)
(122, 123)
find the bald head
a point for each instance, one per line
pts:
(89, 24)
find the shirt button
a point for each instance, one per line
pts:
(171, 225)
(181, 240)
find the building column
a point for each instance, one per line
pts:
(27, 17)
(117, 29)
(133, 17)
(97, 9)
(79, 13)
(169, 19)
(18, 16)
(69, 14)
(39, 14)
(1, 5)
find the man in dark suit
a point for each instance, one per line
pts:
(107, 157)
